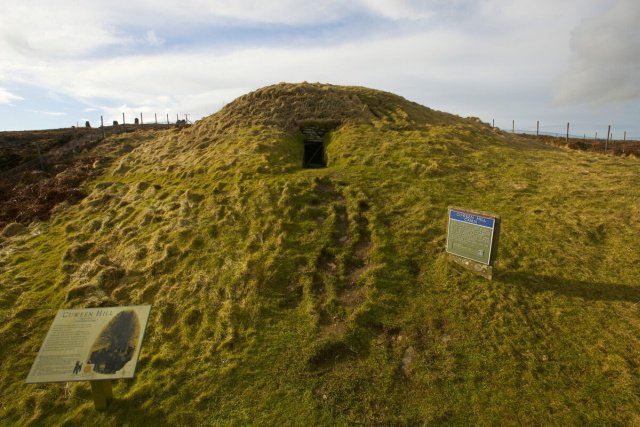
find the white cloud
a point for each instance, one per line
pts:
(198, 82)
(605, 61)
(400, 9)
(152, 39)
(39, 30)
(66, 28)
(47, 113)
(432, 61)
(7, 97)
(459, 55)
(291, 12)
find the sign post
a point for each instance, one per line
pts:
(92, 344)
(472, 239)
(102, 394)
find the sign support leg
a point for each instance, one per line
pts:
(102, 394)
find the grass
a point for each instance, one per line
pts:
(285, 296)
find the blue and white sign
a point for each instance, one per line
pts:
(472, 218)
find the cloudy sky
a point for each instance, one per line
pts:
(63, 61)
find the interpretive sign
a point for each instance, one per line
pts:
(472, 236)
(91, 344)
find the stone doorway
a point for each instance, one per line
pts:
(314, 156)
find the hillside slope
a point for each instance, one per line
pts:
(41, 169)
(291, 296)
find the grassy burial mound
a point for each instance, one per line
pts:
(322, 296)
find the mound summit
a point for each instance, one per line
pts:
(284, 295)
(289, 106)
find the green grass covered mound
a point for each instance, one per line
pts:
(290, 296)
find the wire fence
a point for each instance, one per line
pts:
(605, 143)
(559, 134)
(135, 120)
(22, 151)
(130, 123)
(568, 130)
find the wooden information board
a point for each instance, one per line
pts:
(91, 344)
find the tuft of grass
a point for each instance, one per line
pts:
(323, 297)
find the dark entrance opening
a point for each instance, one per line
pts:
(313, 147)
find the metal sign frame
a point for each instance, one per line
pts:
(477, 218)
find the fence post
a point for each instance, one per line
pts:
(567, 132)
(493, 123)
(625, 136)
(102, 126)
(141, 122)
(39, 156)
(606, 144)
(123, 123)
(156, 116)
(167, 118)
(513, 126)
(177, 118)
(538, 128)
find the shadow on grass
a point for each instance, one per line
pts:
(596, 291)
(127, 413)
